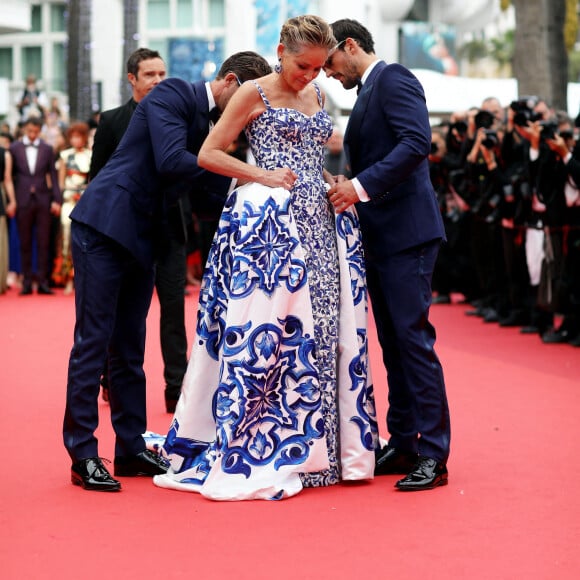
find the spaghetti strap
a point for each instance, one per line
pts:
(317, 89)
(263, 95)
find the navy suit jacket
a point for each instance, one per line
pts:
(155, 162)
(387, 141)
(43, 181)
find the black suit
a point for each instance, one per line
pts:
(110, 131)
(170, 268)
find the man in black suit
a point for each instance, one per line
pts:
(116, 228)
(145, 70)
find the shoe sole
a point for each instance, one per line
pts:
(439, 483)
(81, 483)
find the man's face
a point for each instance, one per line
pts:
(32, 131)
(340, 66)
(542, 109)
(150, 73)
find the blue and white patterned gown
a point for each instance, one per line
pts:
(278, 395)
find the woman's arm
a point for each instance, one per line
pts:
(245, 105)
(9, 185)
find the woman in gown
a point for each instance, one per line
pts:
(73, 174)
(277, 395)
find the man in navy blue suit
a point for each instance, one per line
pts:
(387, 141)
(117, 227)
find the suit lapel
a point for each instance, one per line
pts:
(352, 134)
(199, 128)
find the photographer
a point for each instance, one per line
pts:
(516, 212)
(453, 271)
(534, 120)
(483, 192)
(568, 151)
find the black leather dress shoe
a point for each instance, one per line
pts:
(427, 474)
(390, 461)
(490, 315)
(44, 289)
(91, 474)
(556, 336)
(477, 312)
(530, 329)
(145, 463)
(26, 290)
(514, 318)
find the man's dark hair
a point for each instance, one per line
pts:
(139, 55)
(348, 28)
(245, 65)
(36, 121)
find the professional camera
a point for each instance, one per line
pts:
(549, 130)
(524, 110)
(491, 139)
(459, 126)
(484, 119)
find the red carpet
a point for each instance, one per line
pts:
(510, 511)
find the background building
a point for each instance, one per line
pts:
(194, 36)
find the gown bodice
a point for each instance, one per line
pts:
(283, 137)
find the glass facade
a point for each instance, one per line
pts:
(36, 18)
(32, 61)
(6, 70)
(158, 14)
(58, 17)
(59, 80)
(184, 15)
(217, 14)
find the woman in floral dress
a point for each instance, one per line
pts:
(277, 395)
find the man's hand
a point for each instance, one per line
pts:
(558, 145)
(11, 209)
(342, 195)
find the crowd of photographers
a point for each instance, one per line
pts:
(507, 180)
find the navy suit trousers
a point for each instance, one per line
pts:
(112, 298)
(400, 294)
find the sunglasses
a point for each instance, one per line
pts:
(328, 62)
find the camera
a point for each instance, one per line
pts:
(491, 139)
(484, 119)
(549, 130)
(459, 126)
(524, 110)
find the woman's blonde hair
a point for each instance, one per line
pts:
(306, 30)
